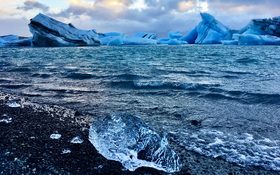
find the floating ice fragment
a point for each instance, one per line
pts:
(13, 104)
(77, 140)
(6, 120)
(127, 139)
(55, 136)
(66, 151)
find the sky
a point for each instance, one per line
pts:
(130, 16)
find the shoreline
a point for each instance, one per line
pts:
(26, 146)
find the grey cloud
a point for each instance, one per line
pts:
(33, 4)
(159, 17)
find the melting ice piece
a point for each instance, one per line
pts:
(13, 104)
(127, 139)
(6, 120)
(55, 136)
(77, 140)
(66, 151)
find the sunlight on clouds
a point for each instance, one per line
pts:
(82, 3)
(192, 6)
(202, 6)
(138, 5)
(186, 6)
(115, 6)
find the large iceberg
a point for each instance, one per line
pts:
(50, 32)
(127, 139)
(270, 26)
(260, 32)
(208, 31)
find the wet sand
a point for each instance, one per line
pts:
(26, 146)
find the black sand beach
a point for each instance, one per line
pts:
(26, 146)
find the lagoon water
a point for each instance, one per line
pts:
(219, 101)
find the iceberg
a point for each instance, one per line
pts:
(50, 32)
(145, 35)
(169, 41)
(260, 32)
(191, 37)
(127, 40)
(208, 31)
(127, 139)
(175, 35)
(229, 42)
(269, 26)
(116, 39)
(111, 38)
(14, 41)
(251, 39)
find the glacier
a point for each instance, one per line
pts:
(127, 139)
(50, 32)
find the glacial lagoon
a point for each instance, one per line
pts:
(218, 101)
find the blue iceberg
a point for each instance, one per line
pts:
(14, 41)
(50, 32)
(208, 31)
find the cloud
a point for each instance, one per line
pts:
(33, 4)
(130, 16)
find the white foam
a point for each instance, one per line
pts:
(243, 149)
(13, 104)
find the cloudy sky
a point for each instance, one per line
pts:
(130, 16)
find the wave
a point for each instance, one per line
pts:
(209, 91)
(243, 149)
(160, 85)
(20, 69)
(15, 86)
(41, 75)
(243, 97)
(247, 60)
(5, 81)
(129, 76)
(79, 76)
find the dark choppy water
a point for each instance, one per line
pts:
(216, 100)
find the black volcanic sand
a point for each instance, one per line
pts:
(26, 146)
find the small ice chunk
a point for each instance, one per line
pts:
(13, 104)
(55, 136)
(77, 140)
(6, 120)
(66, 151)
(127, 139)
